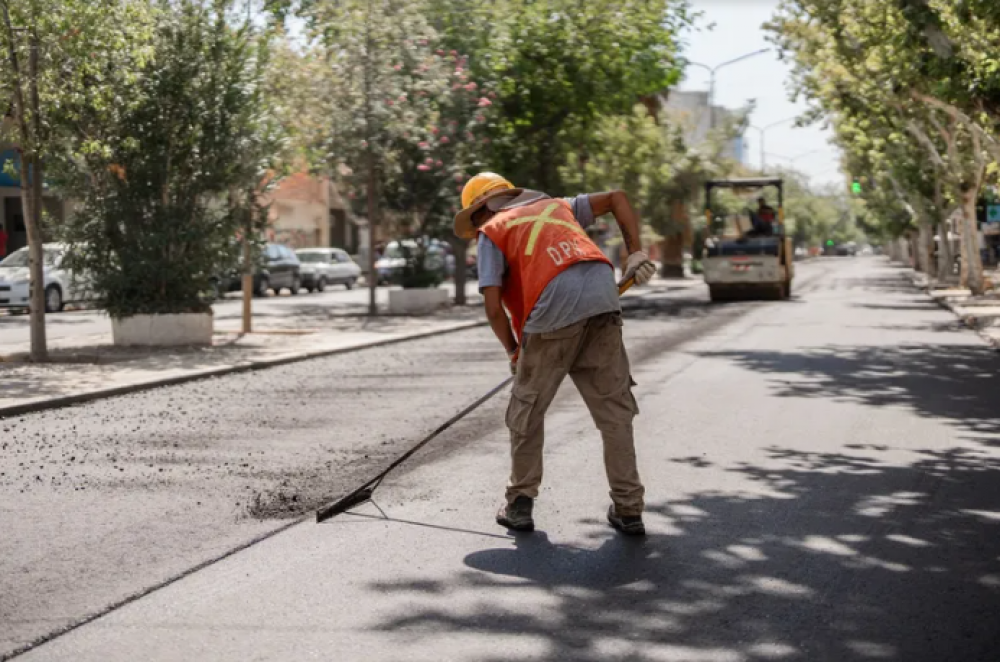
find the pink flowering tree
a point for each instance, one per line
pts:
(445, 115)
(404, 121)
(371, 96)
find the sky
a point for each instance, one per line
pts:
(737, 31)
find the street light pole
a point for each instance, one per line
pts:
(711, 80)
(793, 159)
(763, 131)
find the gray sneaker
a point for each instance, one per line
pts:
(630, 525)
(517, 516)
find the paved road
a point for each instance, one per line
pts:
(123, 493)
(80, 324)
(823, 483)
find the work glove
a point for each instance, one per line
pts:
(638, 267)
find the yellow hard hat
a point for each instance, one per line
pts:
(475, 193)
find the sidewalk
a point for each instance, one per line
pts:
(89, 368)
(981, 313)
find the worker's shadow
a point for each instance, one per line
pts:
(617, 562)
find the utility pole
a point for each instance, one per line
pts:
(711, 85)
(762, 131)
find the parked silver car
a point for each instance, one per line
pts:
(327, 266)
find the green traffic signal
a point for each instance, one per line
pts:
(856, 188)
(829, 242)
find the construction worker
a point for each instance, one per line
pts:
(763, 220)
(535, 259)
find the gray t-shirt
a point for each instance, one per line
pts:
(583, 290)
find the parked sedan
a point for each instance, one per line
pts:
(61, 285)
(280, 269)
(327, 266)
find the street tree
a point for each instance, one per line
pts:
(437, 148)
(372, 50)
(559, 67)
(158, 220)
(61, 60)
(889, 60)
(815, 215)
(646, 156)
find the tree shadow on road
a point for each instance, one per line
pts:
(837, 557)
(959, 384)
(885, 282)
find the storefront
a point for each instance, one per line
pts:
(11, 217)
(11, 210)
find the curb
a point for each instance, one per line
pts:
(78, 398)
(969, 322)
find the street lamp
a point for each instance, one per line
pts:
(763, 131)
(711, 84)
(793, 159)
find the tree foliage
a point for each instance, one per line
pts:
(60, 59)
(903, 89)
(154, 226)
(560, 67)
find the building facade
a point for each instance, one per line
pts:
(307, 211)
(11, 209)
(692, 111)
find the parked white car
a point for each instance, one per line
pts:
(327, 266)
(392, 263)
(61, 286)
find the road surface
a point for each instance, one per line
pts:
(823, 483)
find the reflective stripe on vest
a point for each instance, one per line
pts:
(539, 240)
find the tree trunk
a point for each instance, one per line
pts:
(459, 249)
(924, 239)
(902, 247)
(33, 215)
(31, 203)
(945, 261)
(972, 263)
(672, 258)
(31, 195)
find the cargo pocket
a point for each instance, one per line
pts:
(519, 411)
(631, 396)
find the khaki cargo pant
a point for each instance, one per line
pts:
(592, 353)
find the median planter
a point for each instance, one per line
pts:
(417, 301)
(163, 330)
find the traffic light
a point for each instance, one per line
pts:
(856, 187)
(829, 242)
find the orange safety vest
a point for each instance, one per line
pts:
(539, 240)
